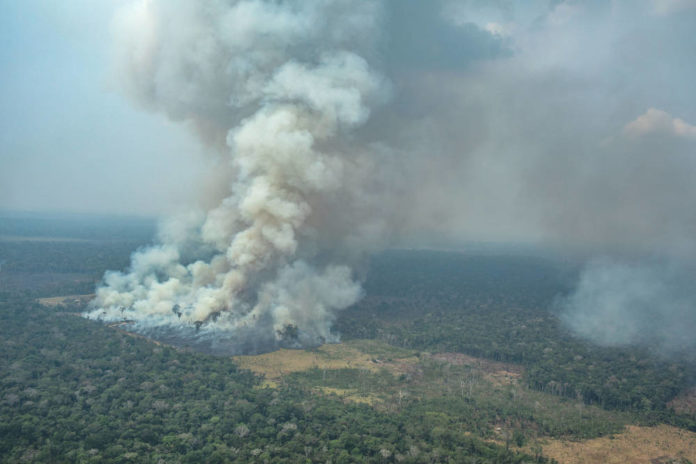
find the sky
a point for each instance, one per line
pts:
(519, 120)
(68, 140)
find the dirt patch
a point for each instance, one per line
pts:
(351, 355)
(284, 361)
(67, 299)
(638, 445)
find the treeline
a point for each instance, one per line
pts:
(76, 226)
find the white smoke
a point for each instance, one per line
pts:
(618, 304)
(277, 87)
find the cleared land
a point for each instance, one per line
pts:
(357, 354)
(652, 445)
(637, 445)
(67, 299)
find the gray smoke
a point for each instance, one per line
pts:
(618, 304)
(577, 138)
(277, 87)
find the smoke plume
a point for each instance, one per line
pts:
(277, 87)
(339, 125)
(618, 304)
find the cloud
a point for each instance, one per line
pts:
(565, 12)
(667, 7)
(499, 29)
(433, 35)
(660, 122)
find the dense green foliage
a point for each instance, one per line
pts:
(77, 391)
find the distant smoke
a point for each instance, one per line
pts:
(618, 304)
(279, 86)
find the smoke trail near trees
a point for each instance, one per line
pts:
(618, 303)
